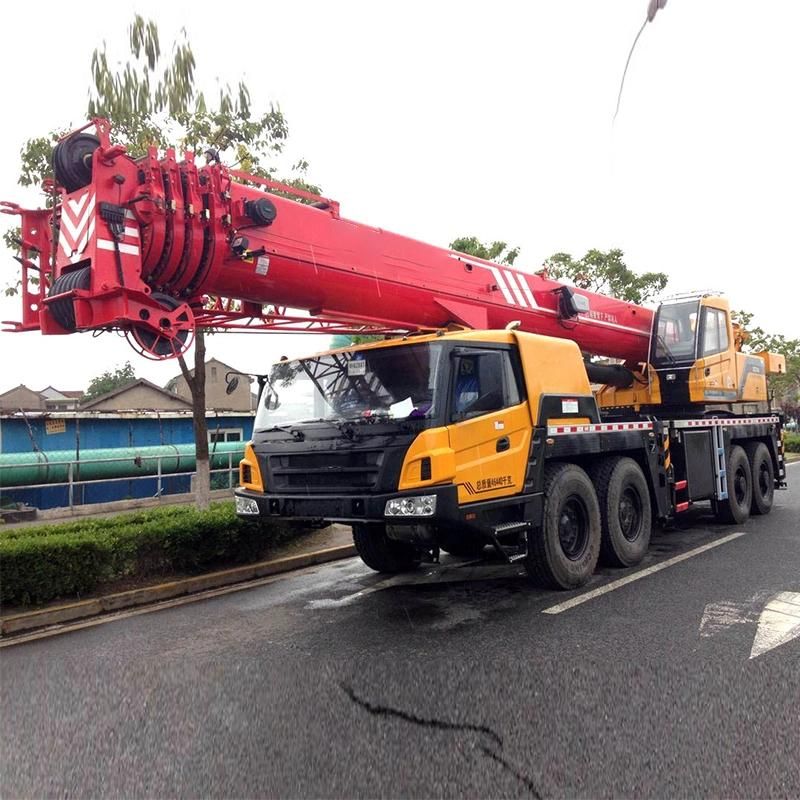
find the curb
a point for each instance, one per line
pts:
(71, 612)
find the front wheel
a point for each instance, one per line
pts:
(381, 553)
(563, 554)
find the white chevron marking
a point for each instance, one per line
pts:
(76, 204)
(523, 282)
(501, 284)
(512, 282)
(75, 229)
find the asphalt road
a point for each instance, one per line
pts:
(336, 682)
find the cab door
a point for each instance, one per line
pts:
(715, 371)
(489, 423)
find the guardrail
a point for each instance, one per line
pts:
(73, 471)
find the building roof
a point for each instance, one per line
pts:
(133, 384)
(172, 381)
(51, 393)
(15, 388)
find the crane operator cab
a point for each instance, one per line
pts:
(695, 363)
(694, 358)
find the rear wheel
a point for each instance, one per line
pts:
(624, 510)
(736, 508)
(563, 554)
(381, 553)
(762, 471)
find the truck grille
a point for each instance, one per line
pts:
(350, 471)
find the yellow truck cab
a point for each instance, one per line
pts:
(472, 438)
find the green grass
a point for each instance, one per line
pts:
(792, 443)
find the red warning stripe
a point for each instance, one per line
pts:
(706, 423)
(603, 427)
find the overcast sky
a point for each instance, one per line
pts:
(440, 119)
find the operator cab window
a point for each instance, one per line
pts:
(675, 333)
(484, 381)
(715, 331)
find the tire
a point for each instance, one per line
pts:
(563, 553)
(462, 545)
(625, 511)
(762, 471)
(63, 310)
(72, 161)
(736, 509)
(381, 553)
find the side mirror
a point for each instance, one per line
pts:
(571, 304)
(233, 384)
(271, 401)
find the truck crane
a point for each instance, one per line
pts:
(473, 423)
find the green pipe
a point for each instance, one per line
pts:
(22, 469)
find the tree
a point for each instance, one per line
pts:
(498, 252)
(347, 340)
(154, 99)
(784, 388)
(109, 381)
(605, 273)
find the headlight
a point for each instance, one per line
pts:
(423, 506)
(246, 505)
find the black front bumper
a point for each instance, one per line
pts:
(352, 508)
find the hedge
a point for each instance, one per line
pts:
(43, 562)
(792, 442)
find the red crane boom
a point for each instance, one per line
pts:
(154, 246)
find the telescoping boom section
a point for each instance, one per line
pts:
(157, 245)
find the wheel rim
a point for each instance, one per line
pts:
(740, 485)
(630, 514)
(764, 483)
(573, 528)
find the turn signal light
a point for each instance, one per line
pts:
(249, 472)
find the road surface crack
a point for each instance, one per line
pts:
(509, 767)
(440, 724)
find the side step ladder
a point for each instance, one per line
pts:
(511, 553)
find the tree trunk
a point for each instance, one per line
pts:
(197, 387)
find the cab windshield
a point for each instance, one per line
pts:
(362, 385)
(675, 333)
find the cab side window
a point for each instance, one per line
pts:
(715, 331)
(484, 381)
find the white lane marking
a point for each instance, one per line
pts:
(779, 623)
(791, 463)
(618, 584)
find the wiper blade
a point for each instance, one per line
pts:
(295, 433)
(665, 347)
